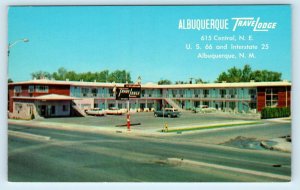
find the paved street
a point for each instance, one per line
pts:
(79, 156)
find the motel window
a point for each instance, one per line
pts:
(197, 92)
(111, 92)
(30, 88)
(271, 97)
(146, 93)
(18, 89)
(181, 93)
(268, 90)
(84, 91)
(41, 88)
(206, 93)
(223, 93)
(275, 91)
(173, 93)
(252, 93)
(232, 105)
(205, 103)
(65, 108)
(150, 92)
(252, 105)
(94, 91)
(52, 110)
(232, 93)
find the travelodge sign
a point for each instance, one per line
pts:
(128, 91)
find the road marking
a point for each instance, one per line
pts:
(216, 166)
(28, 135)
(186, 128)
(53, 142)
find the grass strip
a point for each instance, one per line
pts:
(287, 119)
(210, 127)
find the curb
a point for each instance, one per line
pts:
(28, 135)
(279, 146)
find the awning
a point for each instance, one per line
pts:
(48, 97)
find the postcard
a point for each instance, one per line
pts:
(149, 93)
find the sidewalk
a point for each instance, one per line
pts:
(135, 130)
(281, 120)
(280, 144)
(87, 129)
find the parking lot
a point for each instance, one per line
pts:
(147, 120)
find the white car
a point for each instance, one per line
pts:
(114, 111)
(204, 109)
(95, 112)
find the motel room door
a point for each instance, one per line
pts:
(52, 111)
(43, 110)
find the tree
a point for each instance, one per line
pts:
(199, 81)
(246, 74)
(164, 81)
(180, 82)
(235, 74)
(10, 80)
(102, 76)
(55, 76)
(62, 73)
(41, 75)
(265, 75)
(119, 76)
(72, 76)
(223, 77)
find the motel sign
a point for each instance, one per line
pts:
(128, 91)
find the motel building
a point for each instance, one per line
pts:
(51, 98)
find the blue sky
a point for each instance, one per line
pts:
(144, 40)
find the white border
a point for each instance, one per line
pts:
(295, 184)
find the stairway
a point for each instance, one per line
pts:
(77, 111)
(173, 104)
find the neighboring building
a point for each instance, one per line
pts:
(50, 98)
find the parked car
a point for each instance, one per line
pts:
(95, 112)
(203, 109)
(114, 111)
(167, 112)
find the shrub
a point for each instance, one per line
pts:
(275, 112)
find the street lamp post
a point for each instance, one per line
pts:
(10, 45)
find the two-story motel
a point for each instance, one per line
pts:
(51, 98)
